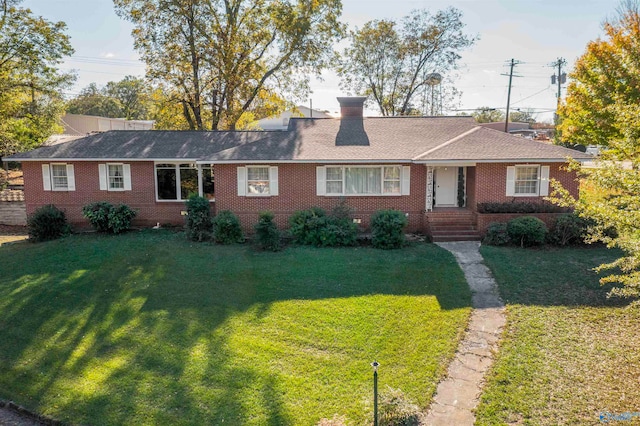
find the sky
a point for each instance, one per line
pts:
(533, 32)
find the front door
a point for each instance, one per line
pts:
(446, 186)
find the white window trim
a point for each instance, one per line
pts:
(176, 165)
(48, 180)
(243, 181)
(321, 180)
(542, 185)
(124, 185)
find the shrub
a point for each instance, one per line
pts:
(520, 207)
(568, 229)
(303, 225)
(527, 231)
(105, 217)
(98, 215)
(199, 222)
(47, 223)
(496, 234)
(395, 410)
(120, 218)
(226, 228)
(267, 233)
(314, 227)
(387, 229)
(335, 232)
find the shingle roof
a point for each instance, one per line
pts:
(376, 139)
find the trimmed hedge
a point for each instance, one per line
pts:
(527, 231)
(520, 207)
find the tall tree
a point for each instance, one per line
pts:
(606, 76)
(30, 82)
(392, 62)
(615, 183)
(225, 58)
(128, 98)
(93, 101)
(522, 116)
(487, 115)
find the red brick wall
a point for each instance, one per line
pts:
(297, 191)
(141, 197)
(491, 183)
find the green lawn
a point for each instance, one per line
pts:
(568, 353)
(147, 328)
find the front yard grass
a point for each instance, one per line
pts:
(568, 354)
(148, 328)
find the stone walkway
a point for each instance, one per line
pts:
(458, 394)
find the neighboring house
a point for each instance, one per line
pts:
(434, 169)
(77, 124)
(281, 122)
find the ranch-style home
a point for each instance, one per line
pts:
(434, 169)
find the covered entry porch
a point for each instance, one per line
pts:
(450, 202)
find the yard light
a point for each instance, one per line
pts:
(375, 365)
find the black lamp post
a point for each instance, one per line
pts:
(375, 366)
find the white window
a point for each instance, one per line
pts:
(178, 181)
(115, 177)
(363, 180)
(58, 177)
(258, 181)
(527, 181)
(59, 180)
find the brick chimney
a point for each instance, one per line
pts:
(352, 106)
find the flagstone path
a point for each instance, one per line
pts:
(458, 394)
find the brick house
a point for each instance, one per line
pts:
(434, 169)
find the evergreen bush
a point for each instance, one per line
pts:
(105, 217)
(527, 231)
(199, 221)
(47, 223)
(387, 229)
(267, 233)
(226, 228)
(496, 234)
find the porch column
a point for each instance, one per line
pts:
(429, 197)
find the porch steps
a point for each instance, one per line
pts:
(453, 225)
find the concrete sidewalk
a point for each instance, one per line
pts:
(458, 394)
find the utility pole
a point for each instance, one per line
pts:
(559, 79)
(506, 120)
